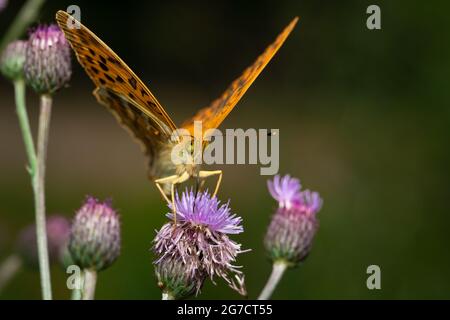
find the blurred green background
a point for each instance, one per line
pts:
(363, 118)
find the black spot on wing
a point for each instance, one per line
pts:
(103, 66)
(133, 83)
(113, 60)
(107, 76)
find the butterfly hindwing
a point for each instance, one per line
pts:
(138, 124)
(213, 115)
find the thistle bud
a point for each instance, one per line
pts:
(291, 232)
(47, 66)
(95, 236)
(58, 230)
(13, 59)
(173, 279)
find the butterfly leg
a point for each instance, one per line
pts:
(172, 180)
(206, 174)
(158, 183)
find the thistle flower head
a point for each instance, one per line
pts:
(291, 232)
(3, 4)
(58, 230)
(285, 190)
(199, 241)
(201, 210)
(12, 60)
(47, 66)
(95, 236)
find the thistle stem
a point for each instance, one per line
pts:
(76, 294)
(8, 270)
(167, 296)
(277, 273)
(24, 18)
(39, 194)
(90, 281)
(77, 291)
(36, 168)
(21, 110)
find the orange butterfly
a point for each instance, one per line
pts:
(136, 108)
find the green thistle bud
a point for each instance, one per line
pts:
(175, 280)
(95, 236)
(47, 66)
(12, 60)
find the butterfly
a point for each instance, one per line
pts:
(136, 108)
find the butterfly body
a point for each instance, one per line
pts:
(137, 110)
(162, 164)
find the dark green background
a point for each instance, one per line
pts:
(363, 118)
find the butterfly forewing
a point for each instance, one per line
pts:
(213, 115)
(108, 71)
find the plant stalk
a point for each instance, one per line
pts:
(279, 267)
(36, 169)
(24, 123)
(90, 281)
(39, 193)
(167, 296)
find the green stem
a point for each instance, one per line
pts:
(8, 270)
(24, 18)
(167, 296)
(277, 273)
(36, 168)
(90, 281)
(39, 194)
(19, 89)
(76, 294)
(77, 290)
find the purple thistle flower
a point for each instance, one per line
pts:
(58, 230)
(95, 235)
(293, 227)
(285, 190)
(310, 202)
(208, 213)
(48, 62)
(200, 239)
(3, 4)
